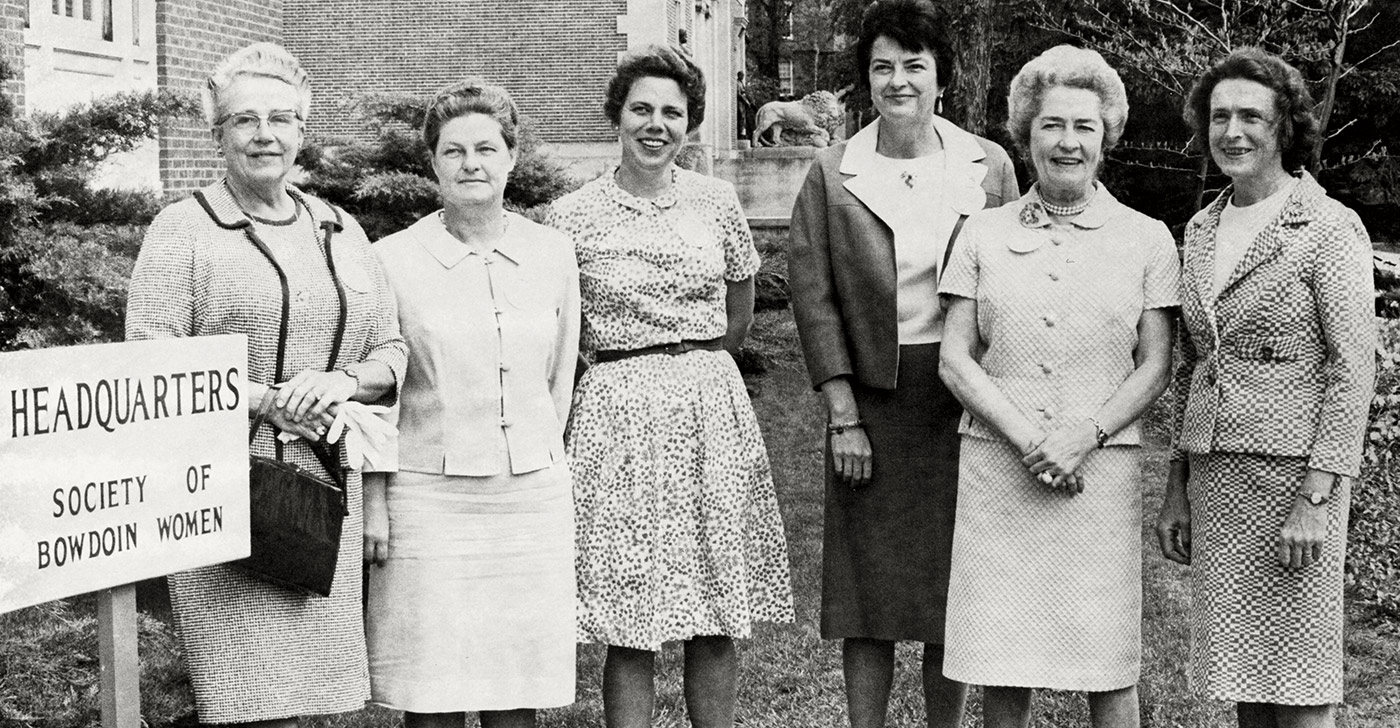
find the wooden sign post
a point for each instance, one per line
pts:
(120, 462)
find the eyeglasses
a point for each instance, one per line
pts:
(248, 121)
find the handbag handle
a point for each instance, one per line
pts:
(263, 406)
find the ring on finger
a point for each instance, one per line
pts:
(1046, 478)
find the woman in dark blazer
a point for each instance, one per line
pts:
(870, 235)
(1272, 395)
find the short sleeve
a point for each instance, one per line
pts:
(741, 259)
(1162, 277)
(960, 279)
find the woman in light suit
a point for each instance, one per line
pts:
(1271, 397)
(870, 234)
(469, 608)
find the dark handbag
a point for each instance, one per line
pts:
(296, 517)
(296, 520)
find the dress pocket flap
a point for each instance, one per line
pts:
(1268, 348)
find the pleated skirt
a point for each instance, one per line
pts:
(678, 527)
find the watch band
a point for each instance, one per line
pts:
(1100, 434)
(1313, 497)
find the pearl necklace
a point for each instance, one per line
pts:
(1066, 210)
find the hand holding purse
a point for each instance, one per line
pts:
(296, 518)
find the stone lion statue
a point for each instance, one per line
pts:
(814, 121)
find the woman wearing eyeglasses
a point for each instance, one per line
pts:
(250, 254)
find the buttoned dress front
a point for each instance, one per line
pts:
(257, 651)
(1046, 588)
(678, 527)
(474, 609)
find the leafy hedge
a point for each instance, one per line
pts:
(66, 249)
(1373, 549)
(387, 182)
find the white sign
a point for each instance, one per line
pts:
(120, 462)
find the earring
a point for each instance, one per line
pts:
(938, 105)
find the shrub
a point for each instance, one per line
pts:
(387, 183)
(71, 281)
(66, 250)
(1373, 550)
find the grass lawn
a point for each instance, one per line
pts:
(790, 677)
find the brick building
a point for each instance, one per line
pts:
(555, 57)
(12, 17)
(192, 36)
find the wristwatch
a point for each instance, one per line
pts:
(1313, 497)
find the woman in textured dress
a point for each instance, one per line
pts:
(232, 259)
(1058, 337)
(1272, 397)
(471, 609)
(870, 233)
(679, 536)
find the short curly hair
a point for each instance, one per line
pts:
(472, 96)
(916, 25)
(657, 61)
(1298, 130)
(266, 60)
(1066, 65)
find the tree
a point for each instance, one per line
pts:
(1162, 46)
(767, 29)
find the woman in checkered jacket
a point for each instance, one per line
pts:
(1271, 397)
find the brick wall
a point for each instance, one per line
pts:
(12, 48)
(554, 57)
(192, 36)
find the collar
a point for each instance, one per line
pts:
(219, 203)
(649, 205)
(1299, 208)
(1100, 210)
(431, 233)
(959, 147)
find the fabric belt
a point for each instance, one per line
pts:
(674, 349)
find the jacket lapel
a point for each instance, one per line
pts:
(875, 191)
(1269, 240)
(962, 182)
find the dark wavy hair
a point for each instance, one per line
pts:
(472, 96)
(1298, 128)
(916, 25)
(657, 61)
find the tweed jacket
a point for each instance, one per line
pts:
(1282, 362)
(841, 260)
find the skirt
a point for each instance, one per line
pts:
(474, 608)
(1261, 633)
(1046, 586)
(886, 546)
(678, 527)
(257, 651)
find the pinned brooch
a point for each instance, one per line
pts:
(1033, 215)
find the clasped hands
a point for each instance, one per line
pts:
(305, 405)
(1054, 458)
